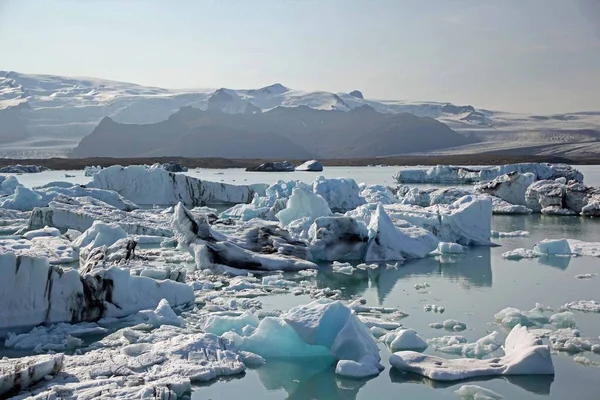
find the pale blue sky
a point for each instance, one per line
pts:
(514, 55)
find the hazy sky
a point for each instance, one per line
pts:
(515, 55)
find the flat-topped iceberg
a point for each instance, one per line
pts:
(467, 221)
(146, 186)
(468, 175)
(525, 354)
(33, 292)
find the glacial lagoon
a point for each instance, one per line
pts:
(472, 287)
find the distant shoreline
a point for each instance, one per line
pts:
(219, 163)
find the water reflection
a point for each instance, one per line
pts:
(538, 384)
(560, 262)
(474, 268)
(308, 380)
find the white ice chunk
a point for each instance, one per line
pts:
(525, 355)
(17, 374)
(342, 194)
(389, 242)
(497, 234)
(404, 339)
(303, 204)
(584, 305)
(219, 324)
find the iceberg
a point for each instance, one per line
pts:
(377, 194)
(271, 249)
(325, 329)
(544, 194)
(432, 196)
(468, 175)
(337, 239)
(17, 374)
(26, 199)
(303, 204)
(273, 166)
(525, 355)
(80, 213)
(509, 187)
(404, 339)
(146, 186)
(342, 194)
(33, 292)
(311, 165)
(467, 221)
(58, 250)
(389, 242)
(8, 185)
(22, 169)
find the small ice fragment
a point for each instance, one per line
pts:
(563, 320)
(585, 276)
(584, 305)
(404, 339)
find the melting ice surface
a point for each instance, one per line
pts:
(472, 287)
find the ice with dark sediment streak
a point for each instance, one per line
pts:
(33, 292)
(79, 213)
(261, 247)
(525, 354)
(17, 374)
(144, 185)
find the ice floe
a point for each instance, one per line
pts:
(311, 165)
(404, 339)
(524, 355)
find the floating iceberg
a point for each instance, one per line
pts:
(156, 186)
(312, 165)
(468, 175)
(342, 194)
(322, 329)
(26, 199)
(8, 185)
(404, 339)
(467, 221)
(274, 166)
(33, 292)
(377, 194)
(510, 187)
(80, 213)
(303, 204)
(525, 355)
(389, 242)
(271, 249)
(17, 374)
(22, 169)
(337, 239)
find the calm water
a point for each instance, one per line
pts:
(472, 288)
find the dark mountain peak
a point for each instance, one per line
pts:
(452, 109)
(220, 96)
(276, 88)
(357, 94)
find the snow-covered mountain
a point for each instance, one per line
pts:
(45, 115)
